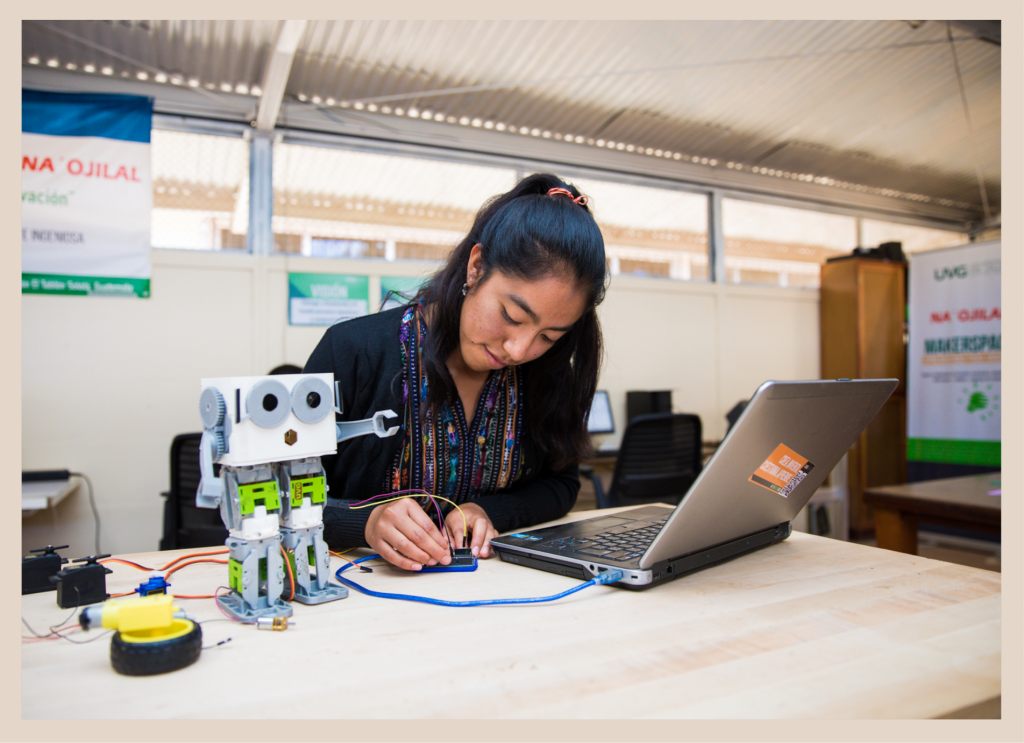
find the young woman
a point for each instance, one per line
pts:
(491, 369)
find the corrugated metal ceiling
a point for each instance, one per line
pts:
(870, 105)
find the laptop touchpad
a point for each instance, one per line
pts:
(606, 523)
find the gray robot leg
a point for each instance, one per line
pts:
(256, 579)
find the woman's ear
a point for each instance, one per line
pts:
(475, 266)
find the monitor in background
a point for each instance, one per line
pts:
(599, 420)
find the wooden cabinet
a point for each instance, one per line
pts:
(863, 336)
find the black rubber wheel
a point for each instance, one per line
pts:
(157, 656)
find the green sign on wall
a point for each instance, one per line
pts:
(326, 298)
(405, 286)
(85, 286)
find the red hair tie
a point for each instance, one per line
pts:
(581, 200)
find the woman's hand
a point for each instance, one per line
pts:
(480, 528)
(403, 534)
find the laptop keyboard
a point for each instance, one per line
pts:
(619, 543)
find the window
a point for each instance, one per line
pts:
(200, 191)
(650, 231)
(331, 202)
(768, 244)
(335, 202)
(914, 239)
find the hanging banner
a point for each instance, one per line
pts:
(953, 365)
(326, 298)
(86, 194)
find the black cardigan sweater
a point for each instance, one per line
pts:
(364, 354)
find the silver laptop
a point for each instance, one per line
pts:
(775, 457)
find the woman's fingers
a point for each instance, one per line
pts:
(483, 533)
(427, 524)
(395, 557)
(405, 536)
(456, 529)
(481, 529)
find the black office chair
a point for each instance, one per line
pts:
(658, 461)
(185, 525)
(734, 414)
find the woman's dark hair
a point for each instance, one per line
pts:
(286, 369)
(530, 235)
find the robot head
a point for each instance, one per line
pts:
(270, 419)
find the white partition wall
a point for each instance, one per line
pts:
(107, 383)
(712, 345)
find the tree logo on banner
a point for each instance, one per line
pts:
(979, 400)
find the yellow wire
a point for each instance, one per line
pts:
(465, 524)
(340, 554)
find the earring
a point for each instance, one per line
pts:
(465, 289)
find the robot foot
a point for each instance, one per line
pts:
(329, 593)
(233, 605)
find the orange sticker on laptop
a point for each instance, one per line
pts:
(782, 471)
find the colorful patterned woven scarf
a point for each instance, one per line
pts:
(440, 454)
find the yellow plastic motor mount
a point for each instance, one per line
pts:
(177, 628)
(136, 615)
(152, 634)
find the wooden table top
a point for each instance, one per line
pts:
(809, 628)
(965, 496)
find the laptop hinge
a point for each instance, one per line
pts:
(720, 553)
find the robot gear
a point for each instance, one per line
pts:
(211, 407)
(220, 445)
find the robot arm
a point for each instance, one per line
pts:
(211, 487)
(351, 429)
(213, 445)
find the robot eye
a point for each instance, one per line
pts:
(267, 403)
(311, 399)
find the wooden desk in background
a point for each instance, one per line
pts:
(38, 496)
(962, 502)
(809, 628)
(43, 494)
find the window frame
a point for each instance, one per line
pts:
(261, 217)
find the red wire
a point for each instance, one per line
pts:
(221, 609)
(186, 564)
(179, 567)
(168, 565)
(53, 634)
(193, 554)
(291, 575)
(337, 554)
(126, 562)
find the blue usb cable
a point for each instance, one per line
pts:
(609, 576)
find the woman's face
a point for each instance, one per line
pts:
(507, 321)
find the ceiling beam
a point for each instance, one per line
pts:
(990, 31)
(275, 76)
(467, 144)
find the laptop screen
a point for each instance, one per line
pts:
(599, 420)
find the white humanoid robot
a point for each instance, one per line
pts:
(268, 434)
